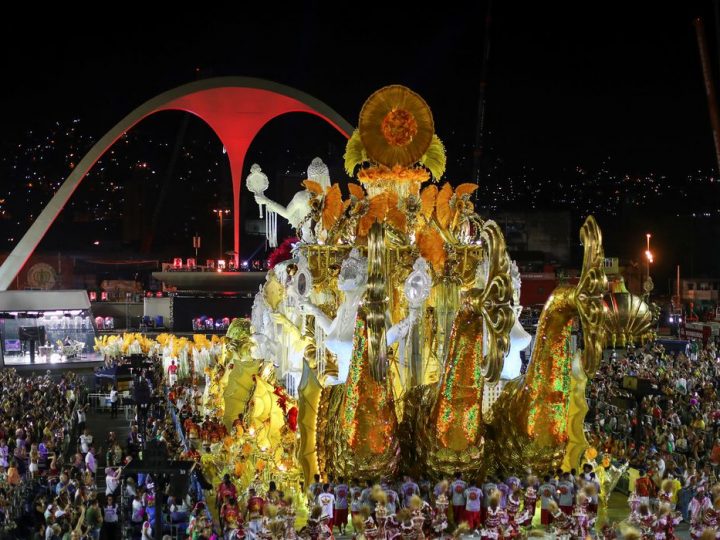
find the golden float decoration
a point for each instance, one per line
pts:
(419, 403)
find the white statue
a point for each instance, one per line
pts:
(263, 330)
(257, 182)
(417, 289)
(298, 210)
(339, 332)
(519, 338)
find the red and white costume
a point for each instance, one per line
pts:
(710, 520)
(530, 501)
(664, 527)
(583, 519)
(494, 523)
(563, 525)
(698, 508)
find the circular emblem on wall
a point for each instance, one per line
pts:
(41, 276)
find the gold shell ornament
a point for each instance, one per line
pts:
(396, 126)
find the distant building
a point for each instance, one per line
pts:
(699, 290)
(537, 238)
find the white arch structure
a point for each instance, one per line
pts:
(235, 108)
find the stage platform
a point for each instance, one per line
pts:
(219, 282)
(22, 363)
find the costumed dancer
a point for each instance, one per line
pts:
(699, 503)
(369, 527)
(233, 529)
(288, 514)
(316, 528)
(634, 504)
(666, 494)
(524, 519)
(711, 518)
(584, 519)
(512, 507)
(255, 505)
(439, 520)
(487, 488)
(405, 527)
(664, 526)
(496, 517)
(358, 527)
(421, 515)
(608, 532)
(384, 520)
(645, 521)
(562, 524)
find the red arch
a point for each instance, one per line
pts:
(236, 126)
(235, 108)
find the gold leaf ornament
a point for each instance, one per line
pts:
(435, 159)
(442, 206)
(354, 153)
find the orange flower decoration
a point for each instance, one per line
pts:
(393, 174)
(399, 127)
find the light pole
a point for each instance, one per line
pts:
(648, 285)
(220, 213)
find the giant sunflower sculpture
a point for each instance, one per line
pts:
(395, 133)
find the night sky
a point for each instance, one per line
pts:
(568, 86)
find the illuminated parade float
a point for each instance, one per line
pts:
(386, 340)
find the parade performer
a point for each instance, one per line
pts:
(529, 503)
(634, 504)
(255, 506)
(369, 526)
(563, 524)
(584, 519)
(665, 523)
(473, 498)
(666, 494)
(439, 520)
(172, 373)
(547, 497)
(698, 505)
(645, 521)
(496, 517)
(421, 516)
(711, 518)
(316, 528)
(341, 491)
(487, 488)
